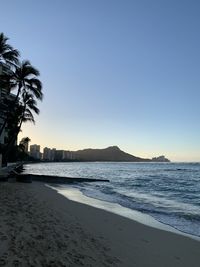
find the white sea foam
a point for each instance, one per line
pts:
(168, 192)
(161, 201)
(76, 195)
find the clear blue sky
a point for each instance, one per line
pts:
(115, 72)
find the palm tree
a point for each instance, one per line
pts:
(22, 77)
(23, 113)
(8, 54)
(24, 143)
(8, 60)
(29, 106)
(26, 140)
(26, 107)
(25, 80)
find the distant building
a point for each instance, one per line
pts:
(59, 155)
(69, 155)
(35, 151)
(53, 152)
(47, 154)
(64, 155)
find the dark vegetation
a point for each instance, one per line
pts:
(16, 109)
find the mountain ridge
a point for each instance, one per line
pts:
(113, 153)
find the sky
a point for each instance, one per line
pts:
(114, 72)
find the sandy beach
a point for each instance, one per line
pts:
(39, 227)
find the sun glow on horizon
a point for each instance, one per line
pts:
(117, 77)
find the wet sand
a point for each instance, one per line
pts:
(39, 227)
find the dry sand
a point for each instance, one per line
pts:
(39, 227)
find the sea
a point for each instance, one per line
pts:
(167, 193)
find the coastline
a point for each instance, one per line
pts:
(76, 195)
(146, 188)
(40, 226)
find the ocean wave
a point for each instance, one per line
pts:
(161, 201)
(170, 193)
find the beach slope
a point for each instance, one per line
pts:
(40, 227)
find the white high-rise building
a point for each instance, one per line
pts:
(47, 154)
(35, 151)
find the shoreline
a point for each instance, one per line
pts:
(143, 188)
(40, 227)
(75, 194)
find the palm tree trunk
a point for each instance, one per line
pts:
(12, 139)
(11, 142)
(3, 126)
(6, 119)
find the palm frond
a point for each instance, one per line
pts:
(37, 91)
(11, 56)
(7, 52)
(28, 116)
(28, 69)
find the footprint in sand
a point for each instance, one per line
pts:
(16, 263)
(2, 262)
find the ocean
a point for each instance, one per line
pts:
(168, 192)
